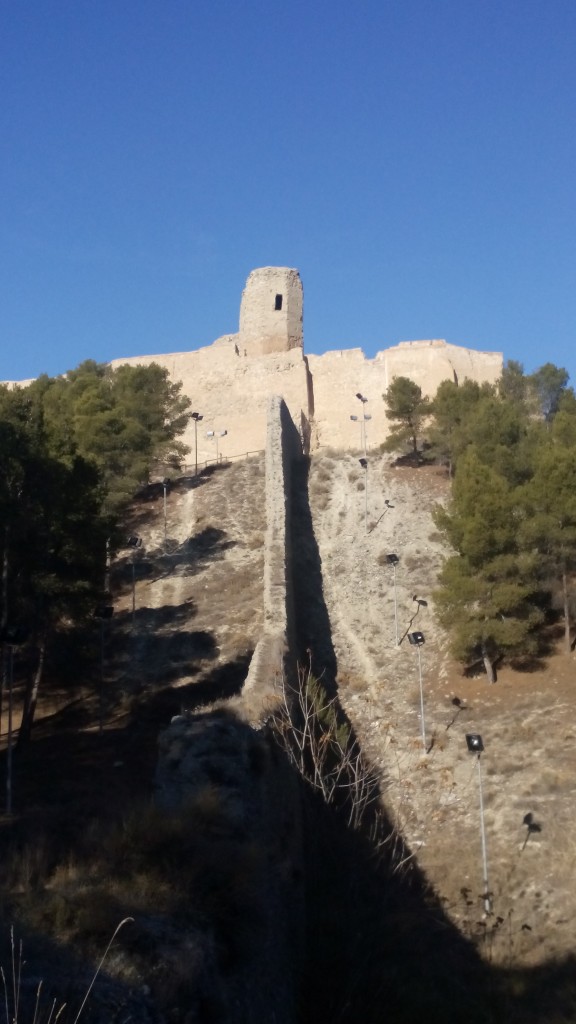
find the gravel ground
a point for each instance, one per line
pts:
(432, 787)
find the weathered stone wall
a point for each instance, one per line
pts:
(259, 805)
(257, 791)
(273, 657)
(230, 382)
(338, 376)
(232, 393)
(271, 312)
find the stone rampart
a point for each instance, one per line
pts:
(257, 791)
(338, 376)
(231, 381)
(273, 657)
(232, 392)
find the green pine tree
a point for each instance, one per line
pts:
(488, 588)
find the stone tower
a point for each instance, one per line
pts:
(271, 312)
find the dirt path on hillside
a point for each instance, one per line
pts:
(198, 593)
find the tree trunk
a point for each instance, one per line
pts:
(31, 697)
(488, 665)
(566, 604)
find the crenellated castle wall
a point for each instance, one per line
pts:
(230, 381)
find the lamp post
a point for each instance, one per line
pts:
(476, 746)
(216, 434)
(196, 416)
(393, 560)
(364, 464)
(417, 640)
(362, 421)
(365, 417)
(133, 543)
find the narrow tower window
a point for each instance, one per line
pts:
(278, 302)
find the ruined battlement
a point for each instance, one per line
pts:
(271, 312)
(230, 381)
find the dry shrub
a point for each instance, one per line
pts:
(195, 868)
(255, 540)
(322, 472)
(357, 684)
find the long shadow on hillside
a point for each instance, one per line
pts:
(379, 944)
(156, 646)
(221, 683)
(379, 950)
(311, 620)
(179, 559)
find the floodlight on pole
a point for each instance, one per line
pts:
(216, 434)
(417, 640)
(364, 463)
(365, 417)
(393, 560)
(476, 746)
(196, 416)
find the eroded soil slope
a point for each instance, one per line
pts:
(525, 719)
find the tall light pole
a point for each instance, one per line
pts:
(196, 416)
(365, 417)
(393, 560)
(216, 434)
(417, 640)
(364, 464)
(476, 746)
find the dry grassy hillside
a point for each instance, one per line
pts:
(525, 719)
(186, 641)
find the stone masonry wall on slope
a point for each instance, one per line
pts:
(273, 657)
(258, 794)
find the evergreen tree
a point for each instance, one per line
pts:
(125, 421)
(488, 588)
(549, 525)
(409, 409)
(513, 384)
(546, 386)
(53, 539)
(452, 410)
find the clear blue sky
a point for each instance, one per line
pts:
(414, 159)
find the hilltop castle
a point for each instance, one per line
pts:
(230, 381)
